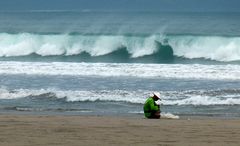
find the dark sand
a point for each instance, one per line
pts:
(26, 130)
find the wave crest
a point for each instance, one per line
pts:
(208, 47)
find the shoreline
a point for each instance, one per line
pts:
(28, 130)
(165, 115)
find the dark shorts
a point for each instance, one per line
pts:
(155, 115)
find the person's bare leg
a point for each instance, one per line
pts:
(157, 115)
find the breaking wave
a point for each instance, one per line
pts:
(192, 97)
(126, 47)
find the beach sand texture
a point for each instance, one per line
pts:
(26, 130)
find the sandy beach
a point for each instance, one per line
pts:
(29, 130)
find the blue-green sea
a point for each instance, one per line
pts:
(108, 62)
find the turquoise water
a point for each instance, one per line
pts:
(95, 36)
(108, 62)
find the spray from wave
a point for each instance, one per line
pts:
(208, 47)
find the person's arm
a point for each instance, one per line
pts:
(153, 106)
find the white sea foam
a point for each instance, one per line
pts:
(214, 48)
(72, 96)
(208, 47)
(19, 93)
(136, 97)
(204, 100)
(181, 71)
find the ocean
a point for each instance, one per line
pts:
(109, 62)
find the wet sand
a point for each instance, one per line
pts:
(30, 130)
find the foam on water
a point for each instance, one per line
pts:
(135, 97)
(181, 71)
(208, 47)
(72, 96)
(217, 48)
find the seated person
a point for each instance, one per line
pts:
(151, 109)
